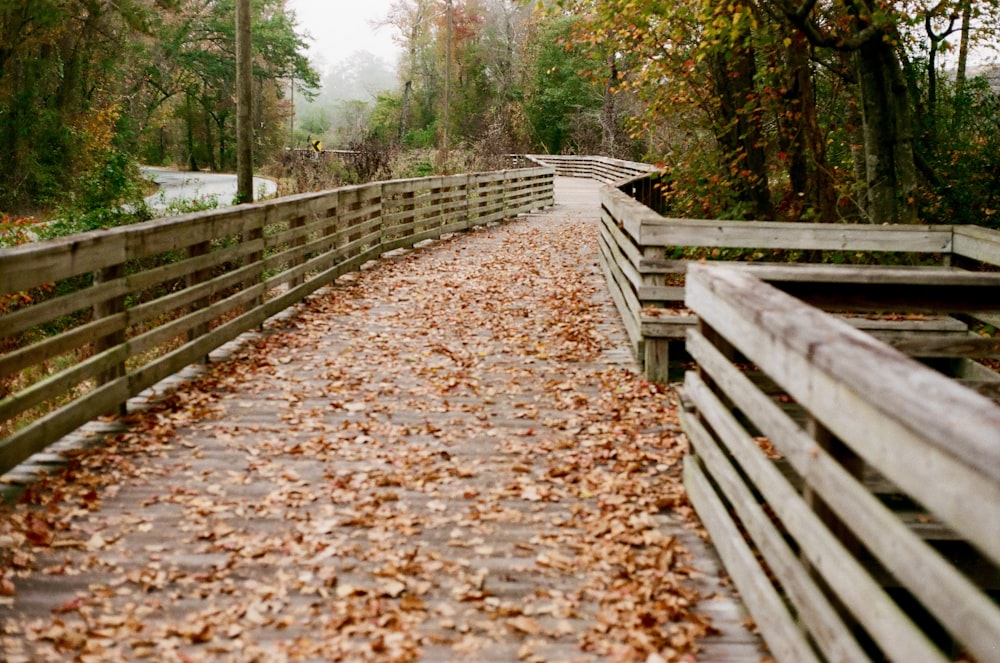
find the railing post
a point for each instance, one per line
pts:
(195, 278)
(106, 309)
(252, 234)
(297, 242)
(854, 465)
(851, 462)
(467, 188)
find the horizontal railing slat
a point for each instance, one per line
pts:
(785, 640)
(977, 243)
(825, 365)
(888, 624)
(56, 346)
(807, 236)
(948, 593)
(34, 437)
(173, 278)
(60, 383)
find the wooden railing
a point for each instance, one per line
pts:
(602, 169)
(92, 320)
(852, 492)
(648, 288)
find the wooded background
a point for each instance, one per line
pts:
(849, 110)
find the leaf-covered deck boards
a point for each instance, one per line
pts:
(448, 457)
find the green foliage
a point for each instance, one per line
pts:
(384, 119)
(177, 207)
(559, 100)
(59, 97)
(72, 220)
(423, 169)
(421, 138)
(114, 179)
(801, 111)
(968, 163)
(88, 87)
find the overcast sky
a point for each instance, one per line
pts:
(340, 27)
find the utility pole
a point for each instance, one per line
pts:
(447, 84)
(291, 118)
(244, 126)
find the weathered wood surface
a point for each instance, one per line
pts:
(806, 236)
(165, 293)
(601, 169)
(431, 470)
(931, 439)
(636, 237)
(980, 244)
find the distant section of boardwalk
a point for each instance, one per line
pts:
(447, 456)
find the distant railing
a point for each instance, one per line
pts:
(648, 288)
(91, 320)
(602, 169)
(852, 492)
(846, 485)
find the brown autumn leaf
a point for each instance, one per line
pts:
(38, 531)
(444, 459)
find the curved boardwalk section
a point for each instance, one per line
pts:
(446, 457)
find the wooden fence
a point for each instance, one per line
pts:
(602, 169)
(648, 288)
(91, 320)
(852, 492)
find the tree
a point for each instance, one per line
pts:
(87, 86)
(471, 97)
(560, 102)
(413, 21)
(810, 104)
(63, 72)
(870, 34)
(683, 59)
(204, 46)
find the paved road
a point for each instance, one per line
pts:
(181, 185)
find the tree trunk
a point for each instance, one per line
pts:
(189, 132)
(224, 159)
(739, 132)
(609, 118)
(404, 113)
(963, 46)
(890, 168)
(811, 183)
(856, 136)
(210, 142)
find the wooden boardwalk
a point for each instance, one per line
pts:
(449, 456)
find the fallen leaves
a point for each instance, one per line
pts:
(434, 455)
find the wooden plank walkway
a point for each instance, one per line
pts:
(450, 456)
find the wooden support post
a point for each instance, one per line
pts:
(294, 224)
(250, 235)
(409, 206)
(106, 309)
(855, 466)
(656, 359)
(469, 217)
(193, 279)
(653, 252)
(721, 344)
